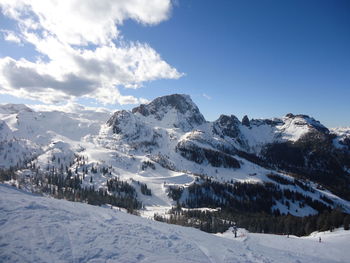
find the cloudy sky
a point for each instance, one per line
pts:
(261, 58)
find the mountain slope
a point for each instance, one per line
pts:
(39, 229)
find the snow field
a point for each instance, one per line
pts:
(39, 229)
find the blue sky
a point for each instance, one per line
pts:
(260, 58)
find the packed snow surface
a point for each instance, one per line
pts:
(40, 229)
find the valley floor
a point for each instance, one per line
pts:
(39, 229)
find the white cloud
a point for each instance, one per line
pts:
(80, 22)
(69, 107)
(11, 36)
(206, 96)
(64, 32)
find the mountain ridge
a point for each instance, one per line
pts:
(169, 146)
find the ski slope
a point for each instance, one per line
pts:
(40, 229)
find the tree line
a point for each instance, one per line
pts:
(252, 206)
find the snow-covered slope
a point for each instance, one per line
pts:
(25, 134)
(342, 139)
(39, 229)
(5, 131)
(260, 132)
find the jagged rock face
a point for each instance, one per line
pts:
(245, 121)
(181, 103)
(179, 108)
(228, 129)
(227, 126)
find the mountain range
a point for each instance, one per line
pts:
(164, 155)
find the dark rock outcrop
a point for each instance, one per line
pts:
(227, 126)
(245, 121)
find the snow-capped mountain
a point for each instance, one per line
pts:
(167, 151)
(342, 139)
(173, 111)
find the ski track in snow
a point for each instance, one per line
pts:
(40, 229)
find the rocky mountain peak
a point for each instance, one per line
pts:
(245, 121)
(227, 125)
(305, 120)
(180, 102)
(178, 109)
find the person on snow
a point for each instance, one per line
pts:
(234, 229)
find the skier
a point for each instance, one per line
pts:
(234, 229)
(319, 239)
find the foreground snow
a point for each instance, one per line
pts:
(39, 229)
